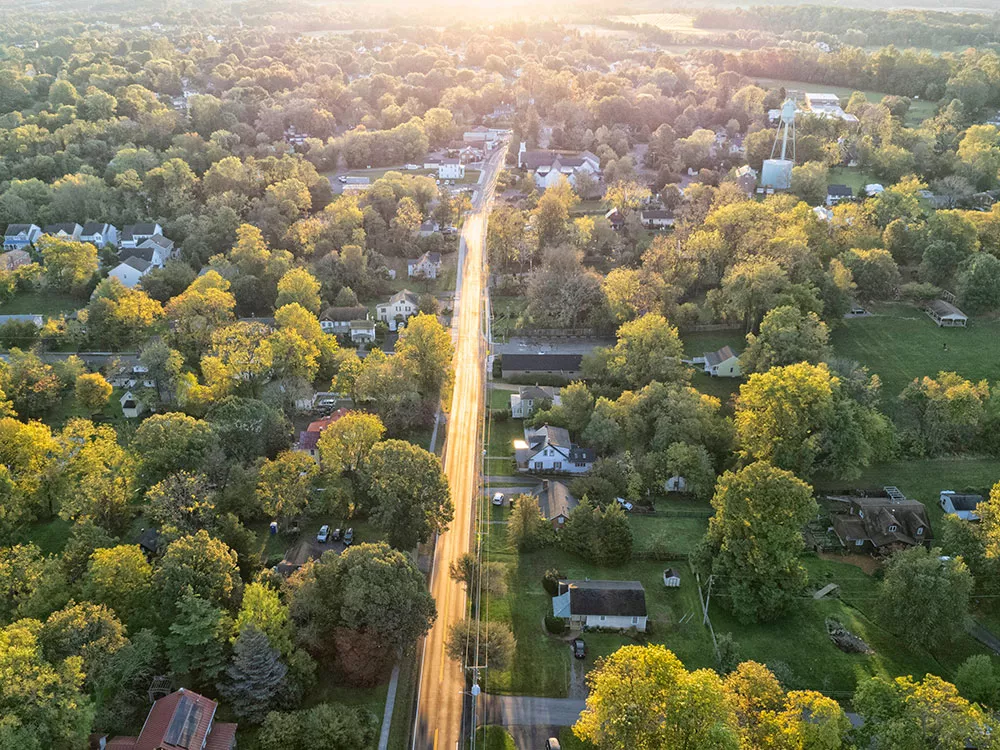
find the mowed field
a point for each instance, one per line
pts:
(919, 110)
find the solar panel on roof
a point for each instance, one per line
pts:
(183, 723)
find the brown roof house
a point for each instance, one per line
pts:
(883, 523)
(555, 502)
(615, 605)
(182, 720)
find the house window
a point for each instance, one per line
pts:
(858, 542)
(893, 527)
(560, 520)
(920, 531)
(635, 620)
(557, 465)
(602, 618)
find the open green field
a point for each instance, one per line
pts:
(901, 343)
(853, 177)
(919, 111)
(47, 303)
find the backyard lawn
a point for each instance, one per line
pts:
(500, 452)
(47, 303)
(901, 343)
(854, 178)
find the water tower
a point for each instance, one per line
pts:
(777, 173)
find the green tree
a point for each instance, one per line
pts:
(809, 182)
(181, 504)
(425, 346)
(92, 392)
(922, 596)
(255, 677)
(97, 476)
(647, 349)
(171, 442)
(755, 537)
(30, 384)
(201, 563)
(25, 578)
(248, 428)
(551, 213)
(285, 485)
(27, 455)
(493, 643)
(641, 697)
(603, 537)
(298, 286)
(69, 266)
(977, 681)
(527, 528)
(198, 638)
(121, 579)
(978, 284)
(90, 631)
(786, 336)
(42, 703)
(409, 492)
(694, 464)
(874, 271)
(328, 725)
(345, 445)
(948, 410)
(262, 609)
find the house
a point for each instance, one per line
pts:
(20, 236)
(481, 134)
(131, 375)
(14, 259)
(883, 523)
(656, 218)
(874, 188)
(724, 363)
(309, 437)
(426, 266)
(676, 483)
(823, 213)
(38, 320)
(153, 254)
(837, 193)
(549, 449)
(566, 365)
(337, 320)
(963, 506)
(132, 407)
(130, 271)
(526, 400)
(946, 315)
(746, 179)
(548, 167)
(451, 169)
(149, 542)
(432, 162)
(135, 234)
(555, 502)
(69, 230)
(827, 106)
(162, 244)
(400, 307)
(617, 605)
(428, 228)
(99, 234)
(362, 331)
(182, 719)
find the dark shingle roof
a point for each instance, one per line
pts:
(714, 358)
(344, 313)
(93, 227)
(839, 191)
(555, 500)
(69, 227)
(137, 263)
(16, 229)
(615, 598)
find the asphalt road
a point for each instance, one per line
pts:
(440, 700)
(529, 720)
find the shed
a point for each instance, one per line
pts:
(946, 315)
(961, 505)
(671, 578)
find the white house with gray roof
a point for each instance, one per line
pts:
(400, 308)
(611, 605)
(548, 449)
(526, 400)
(130, 271)
(99, 234)
(20, 236)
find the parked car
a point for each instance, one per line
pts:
(552, 744)
(342, 178)
(624, 503)
(348, 537)
(336, 534)
(579, 648)
(498, 498)
(324, 534)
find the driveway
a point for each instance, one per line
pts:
(529, 720)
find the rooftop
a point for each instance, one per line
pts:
(616, 598)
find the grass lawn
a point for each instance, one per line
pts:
(445, 282)
(696, 344)
(50, 536)
(918, 112)
(506, 314)
(48, 303)
(853, 177)
(493, 738)
(595, 206)
(901, 343)
(406, 693)
(500, 452)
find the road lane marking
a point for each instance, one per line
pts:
(435, 739)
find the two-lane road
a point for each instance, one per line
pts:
(440, 699)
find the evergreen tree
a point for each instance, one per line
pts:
(255, 676)
(197, 641)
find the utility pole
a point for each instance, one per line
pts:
(708, 598)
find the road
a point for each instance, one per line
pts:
(529, 720)
(440, 700)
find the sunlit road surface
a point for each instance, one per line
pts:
(440, 701)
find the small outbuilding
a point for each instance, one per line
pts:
(131, 406)
(946, 315)
(961, 505)
(671, 578)
(724, 363)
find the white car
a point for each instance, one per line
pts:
(324, 534)
(624, 503)
(498, 498)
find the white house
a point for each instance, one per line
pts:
(20, 236)
(724, 363)
(68, 230)
(671, 578)
(337, 320)
(130, 376)
(131, 406)
(426, 266)
(549, 449)
(135, 234)
(400, 307)
(130, 271)
(99, 234)
(362, 331)
(153, 253)
(451, 169)
(676, 483)
(963, 506)
(548, 167)
(612, 605)
(524, 402)
(837, 193)
(656, 218)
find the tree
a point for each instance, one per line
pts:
(285, 485)
(750, 288)
(755, 538)
(527, 528)
(255, 677)
(603, 537)
(647, 349)
(121, 579)
(171, 442)
(468, 571)
(329, 725)
(298, 286)
(425, 346)
(27, 455)
(948, 410)
(809, 182)
(627, 197)
(345, 445)
(551, 213)
(205, 306)
(92, 392)
(247, 428)
(977, 681)
(923, 597)
(641, 697)
(469, 643)
(90, 631)
(409, 492)
(26, 583)
(30, 384)
(119, 317)
(978, 283)
(42, 703)
(97, 476)
(902, 713)
(242, 359)
(694, 464)
(201, 563)
(874, 271)
(786, 336)
(780, 414)
(198, 638)
(181, 504)
(262, 609)
(69, 266)
(339, 604)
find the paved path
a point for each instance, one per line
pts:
(390, 702)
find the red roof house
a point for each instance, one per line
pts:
(182, 720)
